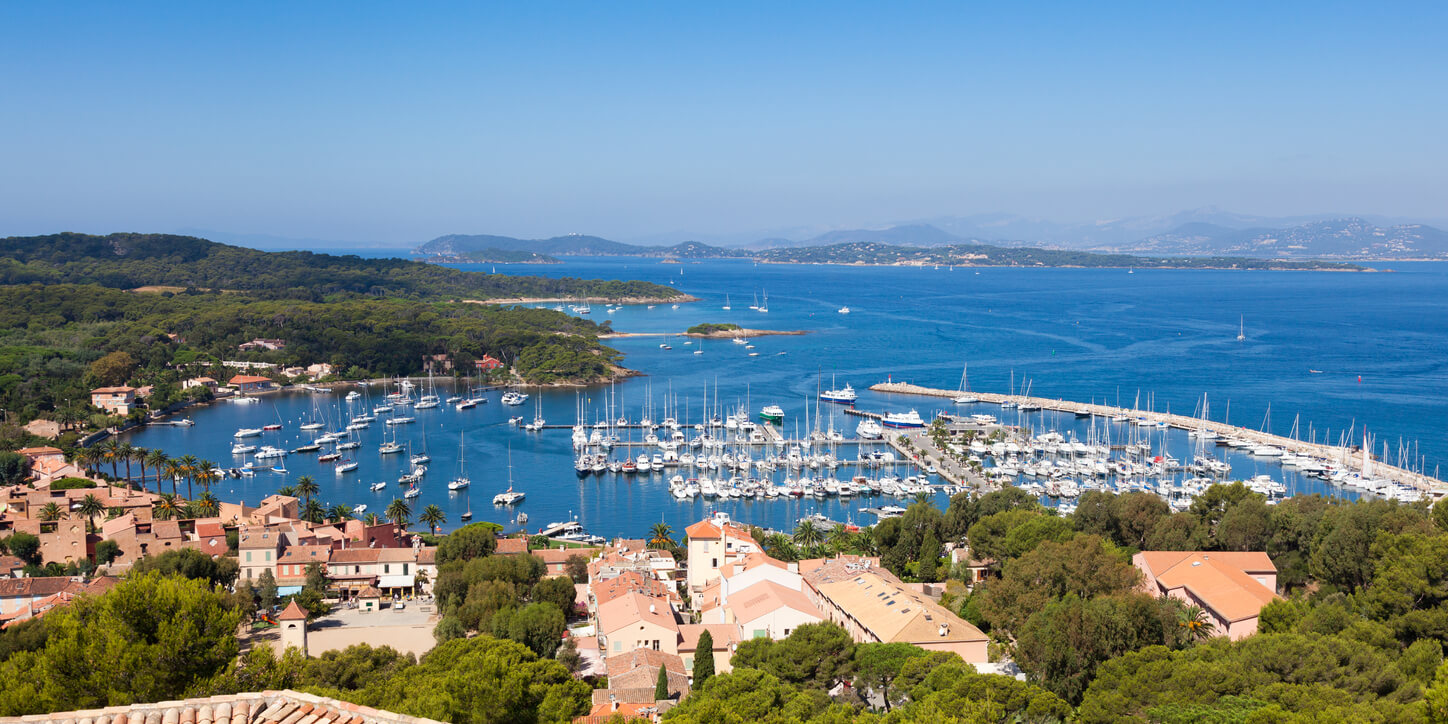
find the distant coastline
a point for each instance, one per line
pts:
(591, 300)
(721, 334)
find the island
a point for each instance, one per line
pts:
(156, 315)
(491, 255)
(986, 255)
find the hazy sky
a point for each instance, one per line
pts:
(370, 122)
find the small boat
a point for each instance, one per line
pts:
(462, 481)
(329, 457)
(278, 469)
(271, 427)
(412, 492)
(240, 449)
(310, 447)
(389, 448)
(248, 432)
(772, 413)
(1313, 371)
(354, 395)
(514, 398)
(359, 509)
(379, 486)
(404, 420)
(844, 310)
(242, 400)
(869, 430)
(347, 466)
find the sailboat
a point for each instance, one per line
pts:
(429, 400)
(461, 481)
(726, 302)
(509, 496)
(965, 398)
(1242, 328)
(764, 305)
(314, 423)
(421, 457)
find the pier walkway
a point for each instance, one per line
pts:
(1349, 458)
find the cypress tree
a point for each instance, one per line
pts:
(703, 659)
(929, 553)
(661, 689)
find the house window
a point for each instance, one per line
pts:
(761, 633)
(248, 556)
(404, 569)
(356, 569)
(386, 568)
(713, 562)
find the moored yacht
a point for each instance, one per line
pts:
(844, 395)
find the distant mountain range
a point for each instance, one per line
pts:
(1196, 233)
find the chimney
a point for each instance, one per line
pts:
(613, 702)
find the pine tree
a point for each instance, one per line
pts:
(661, 689)
(703, 659)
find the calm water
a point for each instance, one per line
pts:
(1166, 337)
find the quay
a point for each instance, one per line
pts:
(1350, 458)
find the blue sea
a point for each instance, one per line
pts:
(1157, 339)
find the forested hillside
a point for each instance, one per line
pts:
(128, 261)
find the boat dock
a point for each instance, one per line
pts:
(1350, 458)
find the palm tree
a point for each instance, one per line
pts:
(923, 498)
(189, 467)
(289, 491)
(208, 475)
(839, 537)
(127, 452)
(339, 513)
(157, 459)
(307, 487)
(663, 535)
(166, 508)
(85, 457)
(207, 506)
(372, 519)
(399, 512)
(1196, 623)
(433, 517)
(140, 455)
(806, 535)
(865, 542)
(174, 470)
(90, 507)
(778, 545)
(313, 511)
(112, 451)
(51, 512)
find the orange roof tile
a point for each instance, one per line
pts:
(1219, 584)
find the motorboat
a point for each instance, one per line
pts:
(514, 398)
(346, 466)
(844, 395)
(247, 432)
(379, 486)
(909, 419)
(240, 449)
(844, 310)
(404, 420)
(772, 413)
(870, 430)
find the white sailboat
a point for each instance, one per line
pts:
(726, 302)
(764, 305)
(965, 398)
(509, 496)
(461, 481)
(1242, 328)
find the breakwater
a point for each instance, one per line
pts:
(1351, 458)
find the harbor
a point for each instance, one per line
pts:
(1356, 463)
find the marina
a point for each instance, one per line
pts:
(808, 378)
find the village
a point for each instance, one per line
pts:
(639, 615)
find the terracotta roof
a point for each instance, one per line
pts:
(304, 554)
(370, 592)
(750, 562)
(707, 530)
(1220, 585)
(633, 608)
(248, 379)
(33, 587)
(292, 612)
(722, 633)
(765, 597)
(511, 546)
(112, 390)
(891, 612)
(1250, 561)
(628, 582)
(624, 663)
(557, 556)
(260, 707)
(40, 451)
(609, 711)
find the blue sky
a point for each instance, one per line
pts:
(391, 123)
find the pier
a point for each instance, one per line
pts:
(1350, 458)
